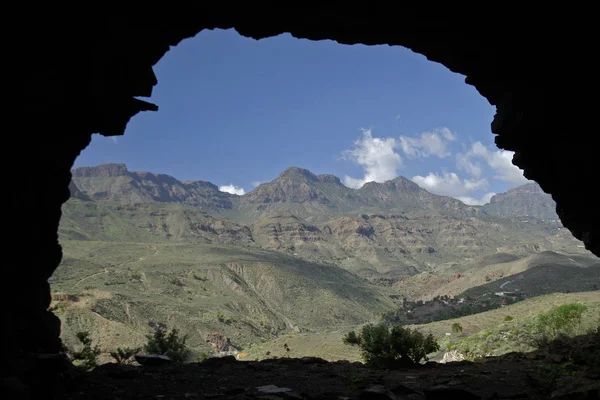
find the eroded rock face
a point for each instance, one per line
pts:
(72, 77)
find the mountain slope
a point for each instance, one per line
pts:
(114, 182)
(525, 200)
(320, 197)
(386, 230)
(245, 294)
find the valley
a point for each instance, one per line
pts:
(297, 257)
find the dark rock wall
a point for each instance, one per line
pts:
(75, 72)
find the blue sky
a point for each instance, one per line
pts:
(236, 111)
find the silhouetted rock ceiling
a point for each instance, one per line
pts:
(75, 72)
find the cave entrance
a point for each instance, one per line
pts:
(139, 245)
(238, 112)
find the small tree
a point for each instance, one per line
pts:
(170, 345)
(88, 355)
(565, 319)
(124, 355)
(384, 347)
(287, 350)
(456, 328)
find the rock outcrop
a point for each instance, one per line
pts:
(528, 200)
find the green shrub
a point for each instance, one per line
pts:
(136, 275)
(88, 355)
(508, 318)
(399, 346)
(168, 344)
(124, 355)
(565, 320)
(456, 328)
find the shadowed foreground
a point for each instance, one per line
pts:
(565, 371)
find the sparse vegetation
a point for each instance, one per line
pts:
(562, 320)
(457, 328)
(382, 346)
(87, 357)
(537, 332)
(444, 307)
(224, 271)
(124, 355)
(169, 344)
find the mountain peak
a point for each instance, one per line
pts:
(328, 178)
(398, 183)
(103, 170)
(524, 200)
(531, 187)
(293, 172)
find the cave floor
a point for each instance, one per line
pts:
(513, 376)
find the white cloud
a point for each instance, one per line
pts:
(232, 189)
(477, 202)
(377, 156)
(449, 184)
(463, 163)
(428, 143)
(499, 160)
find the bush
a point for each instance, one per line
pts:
(562, 320)
(456, 328)
(170, 345)
(88, 355)
(124, 355)
(384, 347)
(508, 318)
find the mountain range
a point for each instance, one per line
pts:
(301, 253)
(381, 231)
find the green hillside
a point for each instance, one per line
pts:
(248, 295)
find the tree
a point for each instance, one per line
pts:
(399, 346)
(565, 319)
(456, 328)
(88, 355)
(170, 345)
(123, 355)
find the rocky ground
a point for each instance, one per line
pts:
(563, 371)
(515, 376)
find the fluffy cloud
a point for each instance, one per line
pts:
(464, 163)
(377, 156)
(429, 143)
(449, 184)
(499, 160)
(472, 201)
(232, 189)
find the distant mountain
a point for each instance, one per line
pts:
(321, 197)
(114, 182)
(306, 195)
(528, 200)
(384, 230)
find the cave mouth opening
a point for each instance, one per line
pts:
(197, 83)
(203, 86)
